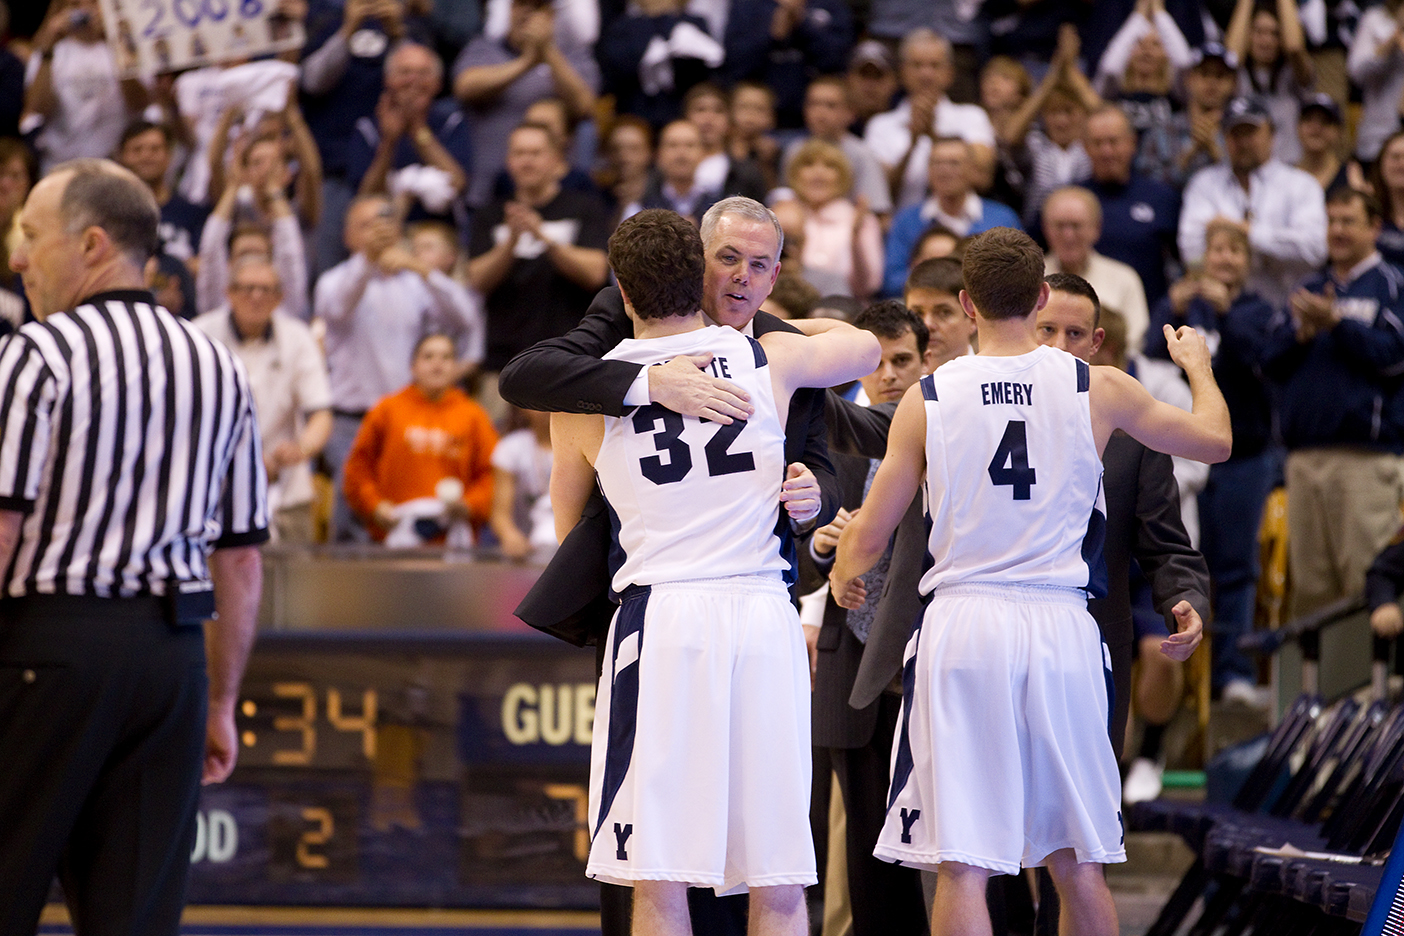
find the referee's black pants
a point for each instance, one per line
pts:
(102, 733)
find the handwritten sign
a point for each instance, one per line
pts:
(153, 36)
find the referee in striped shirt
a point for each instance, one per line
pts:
(132, 503)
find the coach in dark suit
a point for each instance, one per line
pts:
(742, 241)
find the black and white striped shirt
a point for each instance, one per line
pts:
(127, 437)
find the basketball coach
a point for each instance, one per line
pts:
(132, 503)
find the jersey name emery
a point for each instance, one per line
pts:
(1020, 394)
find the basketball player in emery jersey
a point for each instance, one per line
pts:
(700, 765)
(1002, 758)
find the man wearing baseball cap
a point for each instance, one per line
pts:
(1319, 133)
(1281, 208)
(872, 82)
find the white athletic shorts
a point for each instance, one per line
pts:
(700, 762)
(1002, 755)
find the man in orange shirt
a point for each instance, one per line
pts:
(415, 444)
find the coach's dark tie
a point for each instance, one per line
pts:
(860, 620)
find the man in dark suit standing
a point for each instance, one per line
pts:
(886, 899)
(742, 241)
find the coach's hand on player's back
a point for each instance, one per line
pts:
(1190, 631)
(1187, 348)
(684, 387)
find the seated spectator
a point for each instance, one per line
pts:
(1193, 139)
(1319, 133)
(1072, 223)
(842, 240)
(72, 90)
(953, 202)
(498, 79)
(1282, 207)
(376, 306)
(1062, 101)
(1376, 64)
(415, 148)
(752, 119)
(1387, 178)
(708, 108)
(902, 137)
(628, 149)
(792, 297)
(435, 244)
(253, 179)
(19, 170)
(1235, 321)
(782, 46)
(674, 183)
(292, 396)
(827, 116)
(1140, 216)
(1139, 68)
(1274, 65)
(872, 83)
(146, 150)
(421, 464)
(539, 258)
(650, 58)
(521, 516)
(937, 241)
(932, 291)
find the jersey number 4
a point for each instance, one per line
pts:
(1013, 451)
(679, 463)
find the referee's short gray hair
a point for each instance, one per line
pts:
(741, 207)
(100, 193)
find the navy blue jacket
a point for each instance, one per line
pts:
(1140, 221)
(1237, 339)
(621, 47)
(817, 46)
(1342, 387)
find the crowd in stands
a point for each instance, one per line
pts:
(440, 179)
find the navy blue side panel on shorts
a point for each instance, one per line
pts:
(623, 699)
(758, 351)
(1084, 377)
(1111, 693)
(928, 388)
(616, 551)
(902, 768)
(1092, 551)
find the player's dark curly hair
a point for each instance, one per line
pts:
(1003, 270)
(657, 257)
(890, 319)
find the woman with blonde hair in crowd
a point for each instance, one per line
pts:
(842, 239)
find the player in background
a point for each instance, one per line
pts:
(700, 765)
(1006, 649)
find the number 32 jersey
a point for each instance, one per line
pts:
(1014, 480)
(690, 498)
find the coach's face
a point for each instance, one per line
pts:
(1066, 323)
(49, 259)
(743, 260)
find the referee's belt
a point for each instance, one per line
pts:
(177, 609)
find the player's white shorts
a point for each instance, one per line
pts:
(1002, 755)
(700, 763)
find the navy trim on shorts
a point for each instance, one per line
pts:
(1111, 702)
(902, 766)
(623, 699)
(928, 388)
(1084, 376)
(617, 555)
(759, 352)
(1092, 554)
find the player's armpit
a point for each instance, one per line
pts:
(575, 440)
(837, 356)
(1119, 401)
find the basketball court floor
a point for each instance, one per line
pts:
(291, 921)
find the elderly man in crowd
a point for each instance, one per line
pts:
(1072, 223)
(292, 396)
(1282, 208)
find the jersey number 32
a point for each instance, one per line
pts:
(669, 440)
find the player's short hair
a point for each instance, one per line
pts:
(1003, 272)
(100, 193)
(657, 257)
(1074, 285)
(942, 274)
(890, 319)
(1344, 195)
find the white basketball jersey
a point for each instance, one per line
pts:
(690, 498)
(1014, 480)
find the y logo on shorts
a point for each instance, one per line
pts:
(909, 818)
(621, 835)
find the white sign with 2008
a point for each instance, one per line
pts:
(153, 36)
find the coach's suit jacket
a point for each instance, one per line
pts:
(1143, 520)
(565, 374)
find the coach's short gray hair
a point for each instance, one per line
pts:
(101, 193)
(920, 35)
(741, 207)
